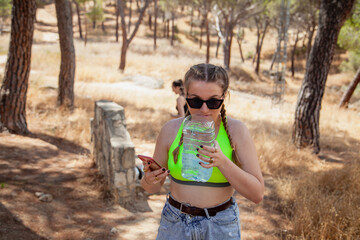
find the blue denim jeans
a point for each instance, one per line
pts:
(176, 225)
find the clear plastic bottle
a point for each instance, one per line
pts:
(197, 131)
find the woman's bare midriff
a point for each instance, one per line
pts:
(199, 196)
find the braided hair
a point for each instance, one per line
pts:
(211, 74)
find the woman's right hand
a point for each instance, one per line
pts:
(152, 177)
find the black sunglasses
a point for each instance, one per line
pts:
(211, 103)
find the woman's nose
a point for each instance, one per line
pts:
(204, 107)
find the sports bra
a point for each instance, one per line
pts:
(217, 179)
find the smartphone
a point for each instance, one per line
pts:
(153, 166)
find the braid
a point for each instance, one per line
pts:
(176, 150)
(225, 123)
(175, 153)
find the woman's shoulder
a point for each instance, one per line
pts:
(235, 123)
(169, 131)
(237, 126)
(181, 99)
(172, 126)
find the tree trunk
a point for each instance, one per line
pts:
(217, 47)
(67, 67)
(230, 44)
(207, 39)
(130, 15)
(164, 29)
(15, 83)
(263, 33)
(150, 22)
(124, 48)
(349, 92)
(226, 56)
(258, 34)
(103, 26)
(79, 17)
(306, 125)
(124, 45)
(155, 22)
(86, 29)
(240, 49)
(191, 20)
(117, 21)
(277, 51)
(172, 28)
(293, 54)
(126, 41)
(167, 28)
(201, 32)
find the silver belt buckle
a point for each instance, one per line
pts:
(187, 205)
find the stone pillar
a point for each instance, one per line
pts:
(113, 150)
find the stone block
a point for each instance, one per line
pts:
(113, 150)
(120, 180)
(130, 176)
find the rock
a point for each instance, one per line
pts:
(46, 198)
(146, 81)
(38, 194)
(114, 230)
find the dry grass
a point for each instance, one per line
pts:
(318, 194)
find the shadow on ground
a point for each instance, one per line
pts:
(11, 227)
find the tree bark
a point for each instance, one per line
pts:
(15, 84)
(67, 67)
(349, 92)
(306, 125)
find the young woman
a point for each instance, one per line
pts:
(181, 107)
(198, 210)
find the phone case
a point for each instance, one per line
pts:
(154, 165)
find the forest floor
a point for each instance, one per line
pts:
(80, 208)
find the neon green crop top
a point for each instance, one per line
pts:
(217, 179)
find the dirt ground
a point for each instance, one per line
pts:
(81, 208)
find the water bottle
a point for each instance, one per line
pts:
(197, 131)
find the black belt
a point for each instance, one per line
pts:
(195, 211)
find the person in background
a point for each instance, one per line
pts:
(181, 107)
(205, 210)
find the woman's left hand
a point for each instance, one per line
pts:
(212, 155)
